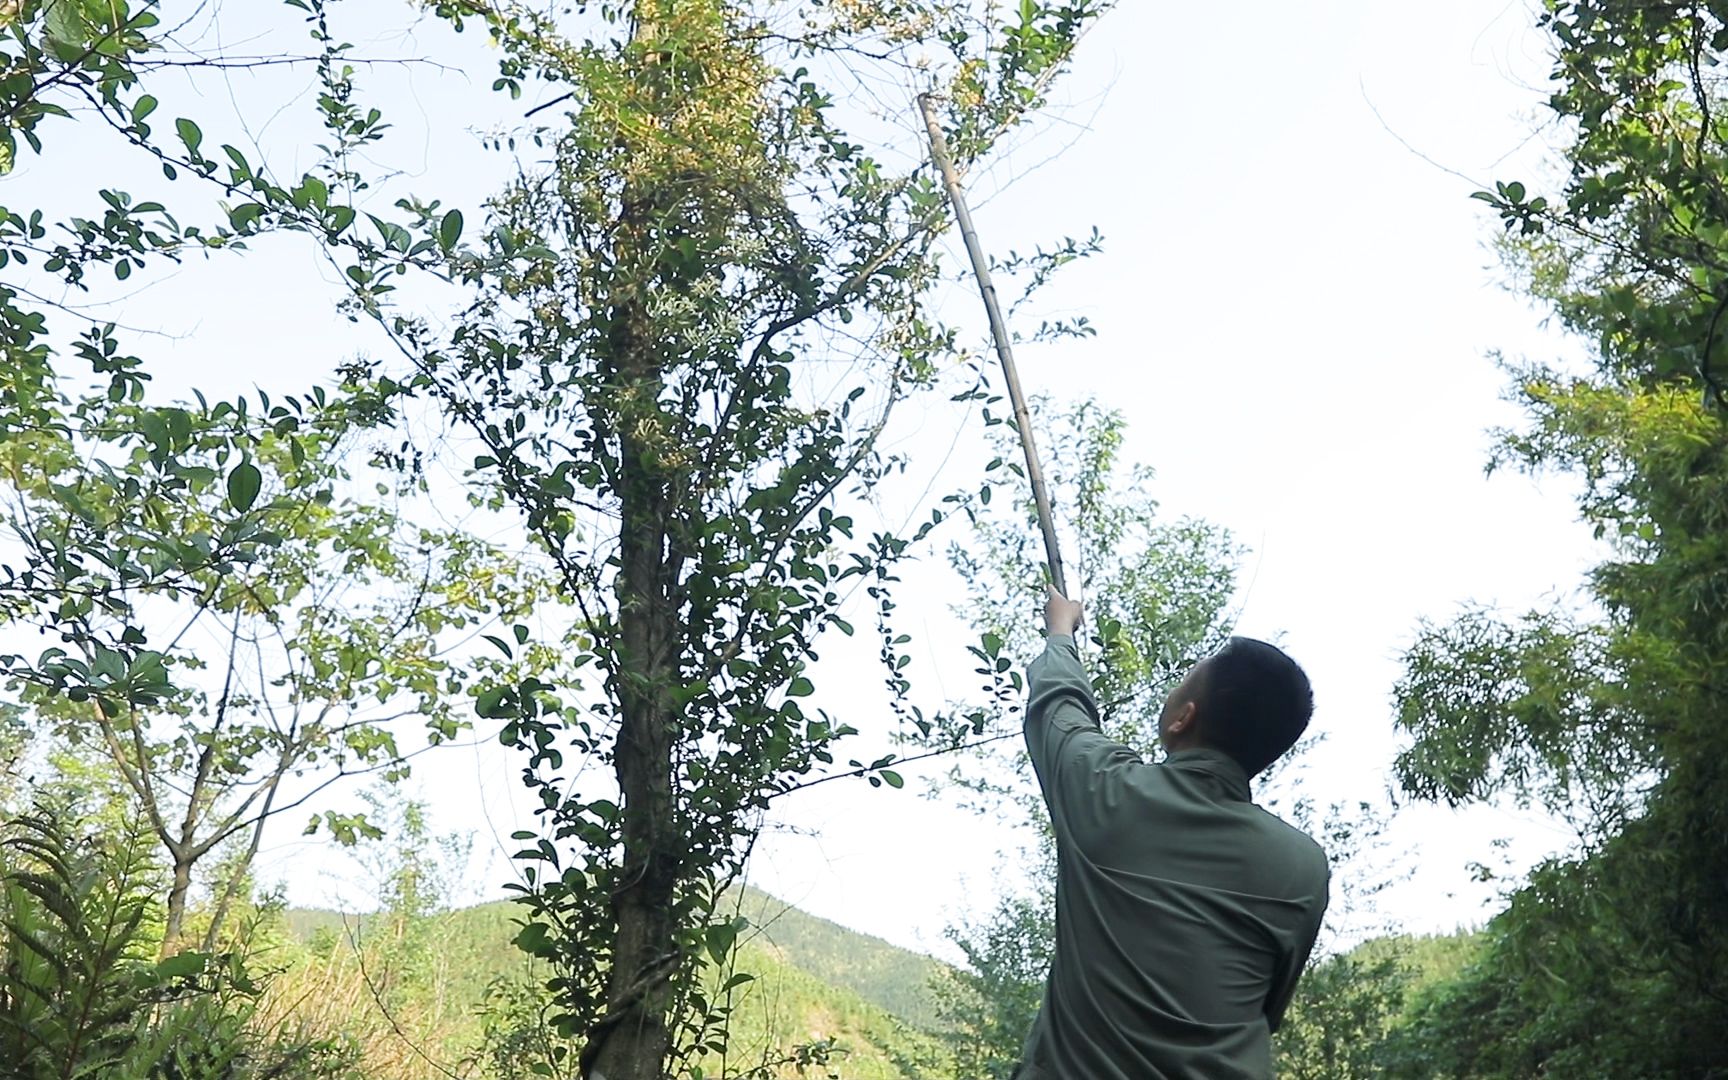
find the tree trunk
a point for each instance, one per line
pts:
(176, 915)
(632, 1041)
(237, 879)
(634, 1038)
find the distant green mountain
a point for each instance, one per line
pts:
(814, 980)
(894, 979)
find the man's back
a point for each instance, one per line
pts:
(1184, 911)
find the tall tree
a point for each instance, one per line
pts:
(693, 321)
(1612, 960)
(300, 629)
(224, 617)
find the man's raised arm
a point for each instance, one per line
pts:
(1072, 757)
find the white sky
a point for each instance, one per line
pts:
(1294, 313)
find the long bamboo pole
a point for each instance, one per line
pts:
(999, 331)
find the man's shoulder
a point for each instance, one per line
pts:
(1300, 848)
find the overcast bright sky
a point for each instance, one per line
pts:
(1295, 314)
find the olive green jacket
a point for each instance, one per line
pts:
(1184, 913)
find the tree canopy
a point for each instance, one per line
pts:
(1610, 961)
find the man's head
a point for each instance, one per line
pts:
(1247, 699)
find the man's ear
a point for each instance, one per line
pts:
(1181, 720)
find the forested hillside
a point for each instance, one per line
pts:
(815, 982)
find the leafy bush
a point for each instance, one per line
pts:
(84, 993)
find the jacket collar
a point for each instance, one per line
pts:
(1214, 763)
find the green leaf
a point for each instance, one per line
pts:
(893, 779)
(719, 939)
(535, 940)
(801, 687)
(450, 229)
(69, 29)
(395, 237)
(243, 216)
(244, 483)
(489, 705)
(181, 965)
(189, 134)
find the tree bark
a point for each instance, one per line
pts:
(634, 1038)
(632, 1041)
(237, 880)
(176, 914)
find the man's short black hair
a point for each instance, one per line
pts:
(1254, 702)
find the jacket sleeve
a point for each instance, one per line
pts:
(1293, 959)
(1079, 768)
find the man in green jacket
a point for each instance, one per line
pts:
(1184, 913)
